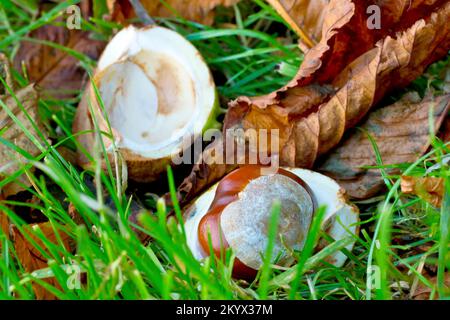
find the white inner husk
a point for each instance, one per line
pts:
(156, 89)
(340, 218)
(247, 233)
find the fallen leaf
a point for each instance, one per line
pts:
(4, 225)
(312, 118)
(203, 174)
(401, 133)
(343, 39)
(4, 221)
(345, 35)
(10, 160)
(430, 189)
(57, 72)
(32, 258)
(423, 292)
(445, 132)
(405, 12)
(196, 10)
(305, 17)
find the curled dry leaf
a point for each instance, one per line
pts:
(203, 174)
(430, 189)
(312, 118)
(32, 258)
(27, 114)
(401, 132)
(305, 17)
(346, 36)
(197, 10)
(308, 17)
(59, 74)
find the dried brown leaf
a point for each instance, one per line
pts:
(314, 123)
(32, 258)
(4, 224)
(203, 174)
(430, 189)
(306, 17)
(312, 118)
(346, 36)
(59, 74)
(10, 160)
(5, 73)
(444, 135)
(4, 221)
(401, 132)
(423, 292)
(197, 10)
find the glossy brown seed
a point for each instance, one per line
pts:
(210, 232)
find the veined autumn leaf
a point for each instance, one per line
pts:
(317, 127)
(311, 117)
(346, 36)
(401, 133)
(305, 17)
